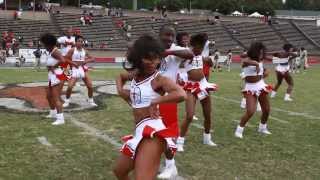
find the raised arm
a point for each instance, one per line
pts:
(174, 93)
(58, 56)
(183, 54)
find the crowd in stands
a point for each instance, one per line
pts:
(8, 43)
(86, 18)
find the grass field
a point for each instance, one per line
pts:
(292, 152)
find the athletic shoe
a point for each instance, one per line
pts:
(239, 131)
(195, 118)
(66, 103)
(264, 131)
(180, 143)
(207, 140)
(288, 99)
(58, 122)
(273, 94)
(168, 172)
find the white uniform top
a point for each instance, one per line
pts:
(51, 61)
(252, 70)
(170, 65)
(206, 49)
(79, 55)
(197, 63)
(65, 40)
(142, 93)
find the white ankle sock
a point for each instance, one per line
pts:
(60, 116)
(240, 129)
(53, 111)
(263, 126)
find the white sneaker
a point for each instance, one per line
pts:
(238, 134)
(58, 122)
(168, 172)
(66, 103)
(180, 143)
(195, 118)
(239, 131)
(92, 103)
(264, 131)
(288, 99)
(207, 140)
(273, 94)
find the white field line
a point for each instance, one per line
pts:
(292, 113)
(99, 134)
(94, 132)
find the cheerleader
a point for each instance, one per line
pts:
(79, 59)
(142, 151)
(282, 71)
(66, 42)
(255, 89)
(197, 88)
(56, 78)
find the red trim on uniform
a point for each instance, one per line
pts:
(126, 150)
(206, 69)
(169, 114)
(126, 138)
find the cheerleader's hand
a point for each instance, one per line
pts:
(153, 111)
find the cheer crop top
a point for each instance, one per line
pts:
(252, 70)
(51, 61)
(78, 55)
(142, 93)
(197, 63)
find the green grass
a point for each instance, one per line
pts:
(291, 152)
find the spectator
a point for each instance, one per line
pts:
(91, 44)
(106, 11)
(20, 39)
(88, 19)
(31, 5)
(19, 14)
(91, 13)
(37, 54)
(86, 43)
(82, 21)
